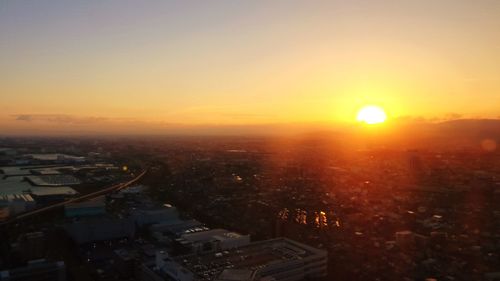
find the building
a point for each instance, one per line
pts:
(238, 275)
(178, 227)
(30, 246)
(133, 190)
(6, 151)
(52, 180)
(94, 229)
(163, 267)
(278, 259)
(13, 204)
(154, 216)
(4, 212)
(50, 158)
(405, 239)
(36, 270)
(46, 195)
(84, 209)
(212, 240)
(167, 232)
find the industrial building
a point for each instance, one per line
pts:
(36, 270)
(133, 190)
(178, 227)
(30, 246)
(49, 158)
(100, 229)
(278, 259)
(6, 151)
(145, 217)
(212, 240)
(52, 180)
(46, 195)
(13, 204)
(85, 209)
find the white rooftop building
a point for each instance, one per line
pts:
(278, 259)
(213, 240)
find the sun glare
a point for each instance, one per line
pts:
(371, 114)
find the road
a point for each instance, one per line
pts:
(78, 199)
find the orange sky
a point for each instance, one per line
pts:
(120, 65)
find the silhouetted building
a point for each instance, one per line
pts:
(37, 270)
(30, 246)
(13, 204)
(100, 229)
(149, 217)
(85, 209)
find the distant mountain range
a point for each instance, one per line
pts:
(479, 128)
(467, 133)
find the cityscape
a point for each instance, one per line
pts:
(231, 208)
(249, 140)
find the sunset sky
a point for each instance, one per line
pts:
(122, 65)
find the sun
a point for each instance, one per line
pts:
(371, 114)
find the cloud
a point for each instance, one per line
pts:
(435, 119)
(412, 119)
(453, 116)
(24, 117)
(217, 114)
(246, 115)
(58, 118)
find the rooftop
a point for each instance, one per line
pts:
(47, 191)
(16, 197)
(53, 180)
(56, 156)
(252, 257)
(203, 235)
(237, 274)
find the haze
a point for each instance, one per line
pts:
(154, 66)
